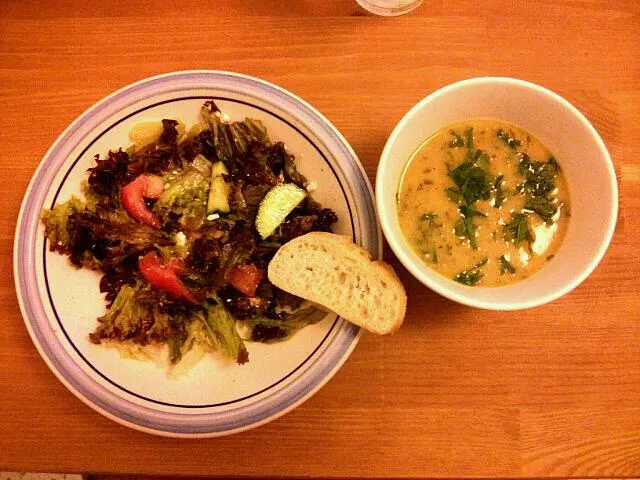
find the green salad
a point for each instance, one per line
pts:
(182, 226)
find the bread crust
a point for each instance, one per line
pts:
(334, 272)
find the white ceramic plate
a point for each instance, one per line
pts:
(60, 304)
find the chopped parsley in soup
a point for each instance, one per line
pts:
(484, 202)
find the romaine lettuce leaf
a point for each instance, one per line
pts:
(186, 195)
(269, 330)
(221, 327)
(231, 139)
(56, 222)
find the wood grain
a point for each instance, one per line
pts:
(457, 392)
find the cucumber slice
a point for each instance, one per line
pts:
(219, 196)
(218, 169)
(276, 205)
(219, 191)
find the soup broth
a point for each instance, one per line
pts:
(483, 202)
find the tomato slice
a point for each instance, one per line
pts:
(164, 277)
(176, 265)
(134, 193)
(246, 278)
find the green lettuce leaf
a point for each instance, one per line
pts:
(268, 330)
(186, 195)
(56, 222)
(221, 327)
(123, 319)
(231, 139)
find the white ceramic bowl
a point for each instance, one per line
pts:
(575, 143)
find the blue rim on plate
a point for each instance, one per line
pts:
(155, 415)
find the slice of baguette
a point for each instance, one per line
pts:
(337, 274)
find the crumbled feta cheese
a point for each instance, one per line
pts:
(524, 256)
(181, 239)
(167, 185)
(213, 216)
(312, 186)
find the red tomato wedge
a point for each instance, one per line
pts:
(134, 193)
(164, 277)
(176, 265)
(246, 278)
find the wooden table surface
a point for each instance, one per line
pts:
(457, 392)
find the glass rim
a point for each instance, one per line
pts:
(403, 7)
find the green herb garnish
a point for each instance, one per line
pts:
(470, 211)
(540, 177)
(552, 161)
(505, 266)
(428, 226)
(500, 195)
(454, 195)
(472, 275)
(457, 141)
(481, 263)
(472, 181)
(469, 136)
(508, 139)
(482, 159)
(518, 229)
(469, 278)
(543, 206)
(540, 181)
(465, 227)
